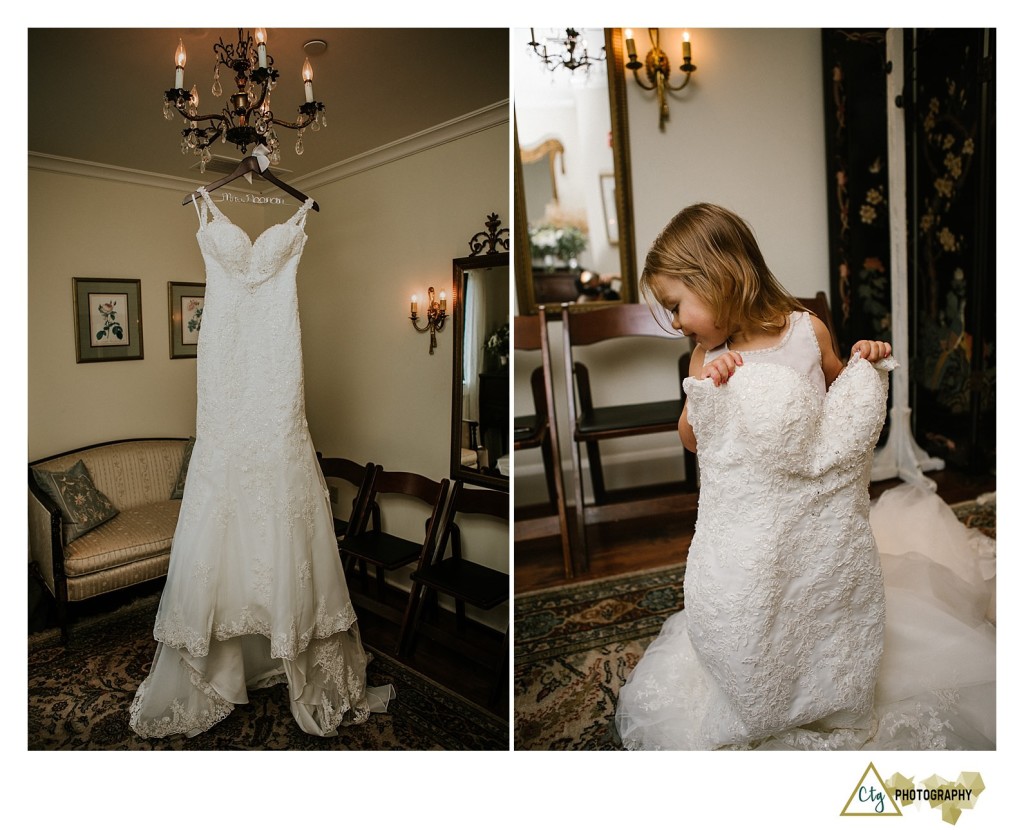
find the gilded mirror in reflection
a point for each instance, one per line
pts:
(570, 161)
(540, 175)
(480, 396)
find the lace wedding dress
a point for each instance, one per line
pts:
(796, 633)
(255, 592)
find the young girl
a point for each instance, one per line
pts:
(780, 641)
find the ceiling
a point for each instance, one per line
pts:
(97, 94)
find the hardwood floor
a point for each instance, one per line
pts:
(460, 660)
(457, 660)
(661, 540)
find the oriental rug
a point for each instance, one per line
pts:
(576, 645)
(78, 698)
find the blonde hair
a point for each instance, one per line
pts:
(714, 253)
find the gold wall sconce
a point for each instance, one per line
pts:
(658, 70)
(437, 315)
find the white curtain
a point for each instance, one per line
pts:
(473, 344)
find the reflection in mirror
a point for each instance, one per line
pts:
(574, 223)
(480, 399)
(539, 175)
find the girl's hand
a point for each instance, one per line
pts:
(721, 368)
(871, 350)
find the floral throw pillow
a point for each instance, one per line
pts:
(179, 484)
(82, 506)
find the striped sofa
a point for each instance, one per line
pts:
(138, 477)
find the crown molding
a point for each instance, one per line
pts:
(483, 119)
(106, 172)
(474, 122)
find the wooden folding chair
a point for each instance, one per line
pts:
(818, 306)
(592, 424)
(360, 477)
(367, 543)
(467, 582)
(540, 430)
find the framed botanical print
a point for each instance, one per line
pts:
(108, 319)
(185, 302)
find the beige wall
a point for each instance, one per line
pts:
(747, 133)
(87, 227)
(373, 392)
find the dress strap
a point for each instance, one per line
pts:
(300, 215)
(211, 211)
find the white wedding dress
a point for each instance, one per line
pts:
(796, 633)
(255, 591)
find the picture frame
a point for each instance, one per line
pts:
(108, 319)
(185, 303)
(611, 222)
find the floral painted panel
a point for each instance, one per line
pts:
(950, 110)
(858, 205)
(952, 209)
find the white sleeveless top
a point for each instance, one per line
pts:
(797, 349)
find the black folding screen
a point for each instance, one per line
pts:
(949, 105)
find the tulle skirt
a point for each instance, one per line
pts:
(255, 596)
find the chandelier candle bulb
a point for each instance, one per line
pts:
(179, 65)
(630, 44)
(444, 302)
(686, 47)
(413, 306)
(261, 47)
(307, 80)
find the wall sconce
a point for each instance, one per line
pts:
(658, 70)
(437, 314)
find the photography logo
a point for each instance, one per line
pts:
(874, 797)
(870, 797)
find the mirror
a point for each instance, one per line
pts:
(573, 198)
(480, 376)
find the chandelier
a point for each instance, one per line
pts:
(569, 52)
(247, 117)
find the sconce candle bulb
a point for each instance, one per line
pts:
(631, 51)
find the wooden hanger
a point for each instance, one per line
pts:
(250, 164)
